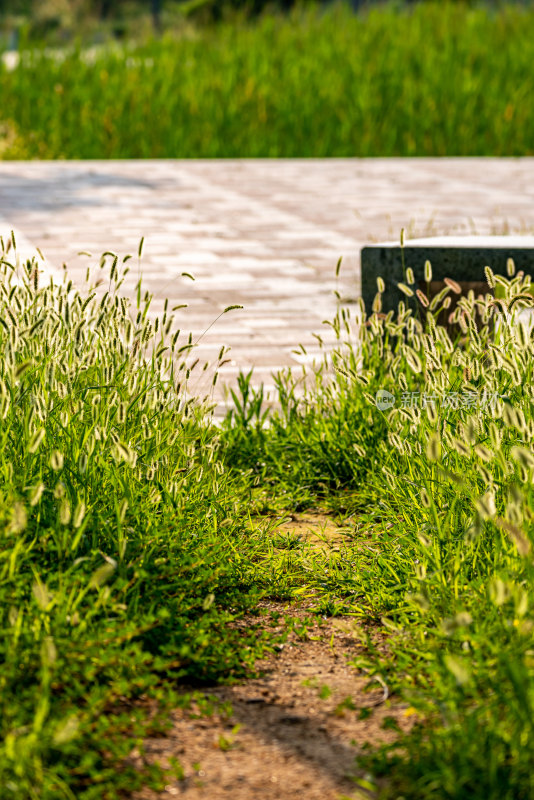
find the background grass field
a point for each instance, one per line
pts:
(432, 79)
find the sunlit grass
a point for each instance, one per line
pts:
(123, 549)
(134, 531)
(442, 483)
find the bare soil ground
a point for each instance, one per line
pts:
(294, 732)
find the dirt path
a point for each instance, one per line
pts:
(294, 732)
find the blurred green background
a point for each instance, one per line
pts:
(232, 79)
(65, 19)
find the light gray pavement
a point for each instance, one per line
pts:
(265, 234)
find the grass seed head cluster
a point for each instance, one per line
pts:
(128, 541)
(452, 497)
(118, 529)
(441, 484)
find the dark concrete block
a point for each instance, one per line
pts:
(461, 258)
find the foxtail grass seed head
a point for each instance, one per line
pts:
(484, 452)
(428, 271)
(461, 319)
(41, 594)
(122, 412)
(425, 499)
(101, 575)
(410, 276)
(461, 448)
(495, 435)
(405, 289)
(413, 360)
(523, 334)
(36, 440)
(359, 450)
(473, 530)
(490, 277)
(377, 304)
(19, 518)
(517, 536)
(123, 508)
(36, 493)
(523, 456)
(453, 285)
(510, 416)
(516, 494)
(471, 429)
(432, 413)
(56, 460)
(510, 267)
(423, 299)
(485, 473)
(515, 513)
(64, 512)
(485, 505)
(380, 285)
(79, 514)
(433, 448)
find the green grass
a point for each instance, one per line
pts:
(454, 570)
(134, 531)
(432, 79)
(123, 550)
(446, 513)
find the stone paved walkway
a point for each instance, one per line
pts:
(263, 234)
